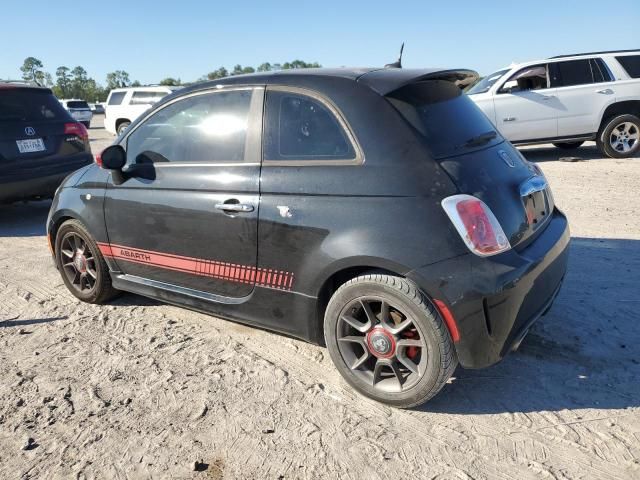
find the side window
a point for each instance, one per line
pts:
(116, 98)
(211, 127)
(534, 77)
(600, 71)
(146, 97)
(631, 63)
(572, 72)
(301, 128)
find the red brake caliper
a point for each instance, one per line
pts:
(412, 352)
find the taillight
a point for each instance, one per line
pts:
(477, 225)
(99, 159)
(77, 129)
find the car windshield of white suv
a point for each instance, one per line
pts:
(487, 82)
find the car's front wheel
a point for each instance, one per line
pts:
(82, 266)
(619, 136)
(388, 341)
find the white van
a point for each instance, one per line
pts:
(124, 105)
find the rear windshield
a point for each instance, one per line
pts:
(30, 105)
(631, 64)
(448, 120)
(77, 104)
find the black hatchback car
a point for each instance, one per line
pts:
(375, 211)
(40, 144)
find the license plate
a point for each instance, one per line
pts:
(538, 209)
(30, 145)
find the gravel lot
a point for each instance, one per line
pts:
(137, 389)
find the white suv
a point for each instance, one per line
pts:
(124, 105)
(567, 100)
(79, 110)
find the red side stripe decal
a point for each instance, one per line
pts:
(198, 266)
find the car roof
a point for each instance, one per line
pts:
(155, 88)
(577, 56)
(381, 80)
(22, 86)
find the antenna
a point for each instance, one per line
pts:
(397, 63)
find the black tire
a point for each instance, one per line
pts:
(122, 127)
(605, 135)
(87, 124)
(568, 145)
(401, 296)
(102, 290)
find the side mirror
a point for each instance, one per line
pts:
(510, 86)
(112, 158)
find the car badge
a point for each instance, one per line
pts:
(506, 158)
(30, 131)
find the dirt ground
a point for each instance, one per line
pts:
(138, 389)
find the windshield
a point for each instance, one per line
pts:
(484, 84)
(450, 122)
(77, 104)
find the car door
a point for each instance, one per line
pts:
(526, 108)
(185, 211)
(584, 89)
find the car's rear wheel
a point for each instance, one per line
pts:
(619, 137)
(87, 124)
(122, 126)
(388, 341)
(82, 266)
(568, 145)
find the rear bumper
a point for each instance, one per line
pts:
(495, 300)
(39, 182)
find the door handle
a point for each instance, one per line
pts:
(548, 97)
(234, 207)
(605, 91)
(509, 119)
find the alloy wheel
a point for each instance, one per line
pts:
(78, 262)
(381, 345)
(624, 137)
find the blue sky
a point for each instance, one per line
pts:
(186, 39)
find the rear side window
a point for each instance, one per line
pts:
(21, 105)
(146, 98)
(631, 63)
(77, 104)
(116, 98)
(449, 121)
(203, 128)
(579, 72)
(299, 127)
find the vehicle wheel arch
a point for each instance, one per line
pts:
(340, 275)
(120, 121)
(631, 107)
(56, 223)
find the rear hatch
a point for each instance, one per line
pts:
(32, 129)
(479, 161)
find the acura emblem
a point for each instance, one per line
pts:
(30, 131)
(506, 158)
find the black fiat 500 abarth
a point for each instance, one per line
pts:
(375, 211)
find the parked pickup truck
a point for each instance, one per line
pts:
(567, 100)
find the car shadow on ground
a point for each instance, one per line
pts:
(13, 322)
(549, 153)
(585, 353)
(24, 219)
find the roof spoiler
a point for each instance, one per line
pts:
(385, 81)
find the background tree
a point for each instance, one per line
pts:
(32, 70)
(171, 82)
(79, 82)
(118, 79)
(239, 70)
(219, 73)
(63, 82)
(299, 64)
(264, 67)
(135, 83)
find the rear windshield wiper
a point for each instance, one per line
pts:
(480, 139)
